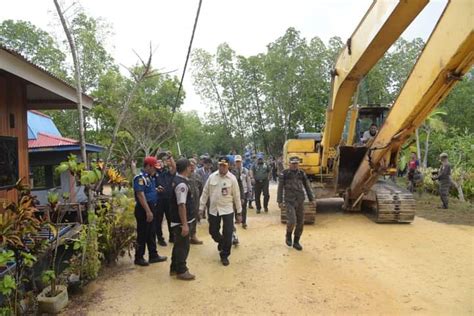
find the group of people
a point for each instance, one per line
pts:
(185, 191)
(442, 175)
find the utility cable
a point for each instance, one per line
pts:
(187, 56)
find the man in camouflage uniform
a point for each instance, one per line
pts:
(261, 173)
(195, 183)
(290, 190)
(444, 179)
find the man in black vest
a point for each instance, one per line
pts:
(165, 173)
(182, 216)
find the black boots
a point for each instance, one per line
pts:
(289, 242)
(296, 243)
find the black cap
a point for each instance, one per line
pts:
(294, 159)
(223, 160)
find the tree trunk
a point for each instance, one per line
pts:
(77, 73)
(458, 186)
(418, 145)
(427, 145)
(81, 119)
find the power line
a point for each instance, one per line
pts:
(187, 56)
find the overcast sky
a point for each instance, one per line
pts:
(247, 25)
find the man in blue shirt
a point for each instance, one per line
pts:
(146, 197)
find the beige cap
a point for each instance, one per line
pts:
(238, 158)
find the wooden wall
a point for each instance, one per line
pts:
(13, 101)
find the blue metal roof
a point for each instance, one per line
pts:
(42, 123)
(39, 122)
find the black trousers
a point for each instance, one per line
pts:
(180, 251)
(145, 232)
(244, 211)
(162, 211)
(225, 239)
(262, 186)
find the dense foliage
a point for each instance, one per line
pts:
(252, 102)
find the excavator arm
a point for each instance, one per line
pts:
(381, 26)
(447, 56)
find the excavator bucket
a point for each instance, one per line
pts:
(349, 160)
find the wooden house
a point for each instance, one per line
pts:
(25, 86)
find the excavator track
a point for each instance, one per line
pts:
(393, 204)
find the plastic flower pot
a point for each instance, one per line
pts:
(54, 304)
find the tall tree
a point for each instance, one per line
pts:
(459, 105)
(77, 77)
(35, 44)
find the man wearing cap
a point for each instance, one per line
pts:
(222, 189)
(444, 179)
(182, 219)
(146, 197)
(261, 174)
(290, 190)
(245, 184)
(166, 170)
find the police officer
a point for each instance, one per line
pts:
(261, 175)
(290, 189)
(182, 219)
(146, 197)
(444, 179)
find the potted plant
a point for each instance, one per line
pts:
(54, 297)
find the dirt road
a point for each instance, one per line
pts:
(349, 265)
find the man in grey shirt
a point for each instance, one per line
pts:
(370, 134)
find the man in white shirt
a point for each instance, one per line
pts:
(222, 189)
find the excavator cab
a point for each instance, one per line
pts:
(353, 149)
(366, 117)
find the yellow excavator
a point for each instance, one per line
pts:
(335, 161)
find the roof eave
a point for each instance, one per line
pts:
(19, 66)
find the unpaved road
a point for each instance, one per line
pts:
(349, 265)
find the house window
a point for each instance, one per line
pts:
(44, 177)
(8, 161)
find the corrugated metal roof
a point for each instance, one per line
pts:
(40, 123)
(47, 140)
(43, 135)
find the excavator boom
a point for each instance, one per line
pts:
(382, 25)
(447, 56)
